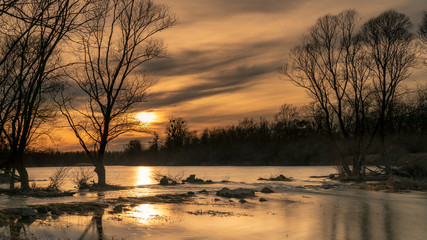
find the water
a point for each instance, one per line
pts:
(300, 209)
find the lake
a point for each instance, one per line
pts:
(306, 208)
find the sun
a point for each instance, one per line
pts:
(146, 117)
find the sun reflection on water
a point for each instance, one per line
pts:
(146, 213)
(144, 176)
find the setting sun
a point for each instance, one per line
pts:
(146, 117)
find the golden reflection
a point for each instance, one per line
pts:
(146, 213)
(143, 176)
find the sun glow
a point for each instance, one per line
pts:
(146, 117)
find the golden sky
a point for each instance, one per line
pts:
(223, 55)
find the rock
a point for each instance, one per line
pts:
(118, 209)
(263, 199)
(42, 209)
(167, 181)
(278, 178)
(29, 212)
(242, 201)
(192, 179)
(267, 190)
(217, 199)
(204, 191)
(236, 193)
(190, 193)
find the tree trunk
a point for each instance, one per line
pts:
(384, 157)
(100, 172)
(23, 174)
(12, 180)
(382, 148)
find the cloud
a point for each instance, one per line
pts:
(227, 81)
(206, 9)
(191, 61)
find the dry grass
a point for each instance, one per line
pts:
(58, 178)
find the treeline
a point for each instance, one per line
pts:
(296, 136)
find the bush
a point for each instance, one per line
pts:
(82, 177)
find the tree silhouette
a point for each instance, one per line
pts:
(391, 56)
(176, 133)
(114, 44)
(352, 75)
(29, 60)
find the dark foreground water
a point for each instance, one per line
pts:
(306, 208)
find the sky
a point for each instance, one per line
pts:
(223, 55)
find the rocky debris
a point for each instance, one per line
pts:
(192, 179)
(236, 193)
(278, 178)
(28, 212)
(263, 200)
(267, 190)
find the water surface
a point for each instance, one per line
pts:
(301, 209)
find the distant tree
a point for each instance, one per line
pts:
(154, 144)
(176, 133)
(115, 44)
(287, 121)
(133, 148)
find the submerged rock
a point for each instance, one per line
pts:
(192, 179)
(236, 193)
(278, 178)
(267, 190)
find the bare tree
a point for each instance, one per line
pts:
(389, 45)
(351, 74)
(328, 65)
(30, 60)
(115, 44)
